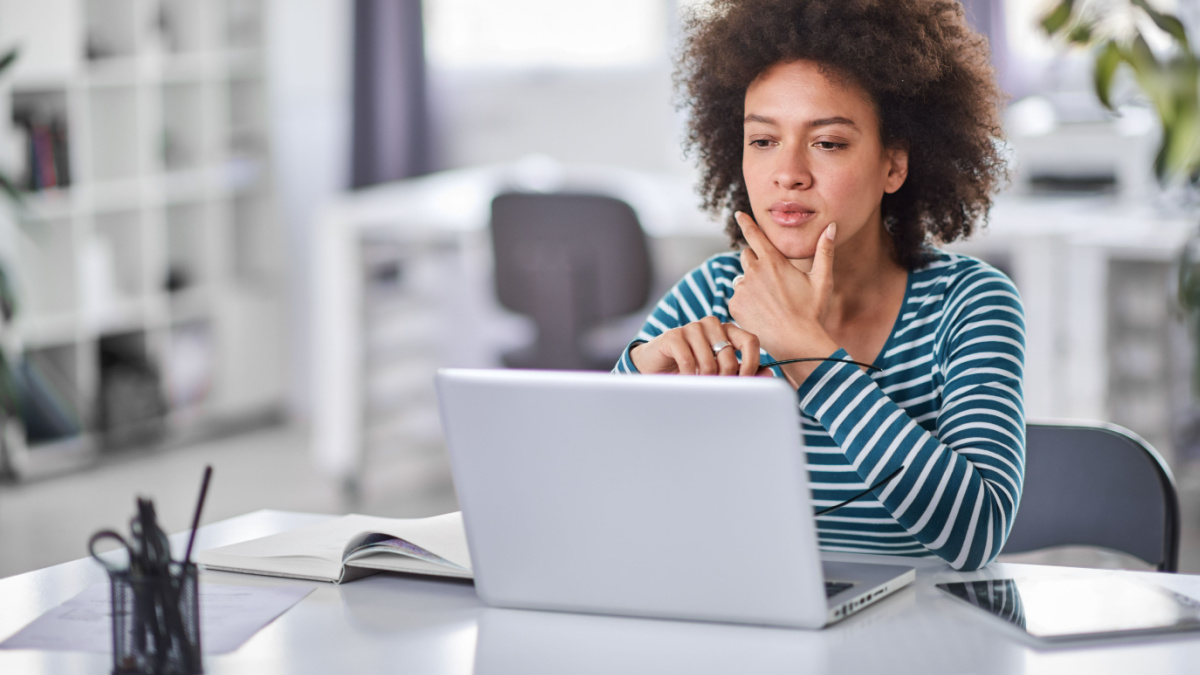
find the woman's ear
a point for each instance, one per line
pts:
(897, 164)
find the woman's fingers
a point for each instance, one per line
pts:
(704, 347)
(822, 267)
(755, 237)
(724, 340)
(712, 348)
(680, 352)
(696, 345)
(746, 343)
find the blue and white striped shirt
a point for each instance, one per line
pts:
(947, 406)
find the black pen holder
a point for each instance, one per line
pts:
(156, 622)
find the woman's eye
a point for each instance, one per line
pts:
(760, 143)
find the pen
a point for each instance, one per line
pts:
(199, 507)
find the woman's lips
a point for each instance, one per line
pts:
(787, 214)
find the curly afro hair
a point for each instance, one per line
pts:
(928, 74)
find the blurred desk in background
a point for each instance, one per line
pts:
(403, 286)
(1103, 341)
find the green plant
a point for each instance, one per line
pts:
(1168, 79)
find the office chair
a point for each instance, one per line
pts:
(568, 261)
(1096, 485)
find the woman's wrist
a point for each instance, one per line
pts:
(632, 349)
(819, 346)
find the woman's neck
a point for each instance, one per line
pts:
(865, 275)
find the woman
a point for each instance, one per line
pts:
(846, 137)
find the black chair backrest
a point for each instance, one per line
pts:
(1096, 485)
(568, 261)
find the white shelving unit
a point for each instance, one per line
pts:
(163, 246)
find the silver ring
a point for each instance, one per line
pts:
(737, 280)
(717, 347)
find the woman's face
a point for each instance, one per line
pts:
(813, 156)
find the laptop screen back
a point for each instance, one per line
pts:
(677, 497)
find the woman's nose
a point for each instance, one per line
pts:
(792, 171)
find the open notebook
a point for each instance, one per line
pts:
(350, 547)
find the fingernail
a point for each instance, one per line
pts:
(831, 231)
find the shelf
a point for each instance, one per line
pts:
(114, 195)
(241, 174)
(185, 144)
(48, 459)
(46, 330)
(111, 29)
(244, 63)
(49, 204)
(162, 239)
(190, 68)
(115, 125)
(187, 26)
(114, 73)
(189, 249)
(39, 82)
(189, 365)
(191, 305)
(122, 316)
(41, 131)
(46, 280)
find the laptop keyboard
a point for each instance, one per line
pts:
(832, 588)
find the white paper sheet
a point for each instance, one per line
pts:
(229, 615)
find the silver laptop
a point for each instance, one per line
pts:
(656, 496)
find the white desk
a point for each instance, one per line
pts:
(388, 624)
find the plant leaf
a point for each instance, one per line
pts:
(1150, 77)
(1167, 22)
(1106, 67)
(1183, 156)
(1058, 17)
(1160, 158)
(10, 392)
(8, 299)
(1082, 33)
(7, 59)
(11, 190)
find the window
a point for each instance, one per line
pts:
(545, 33)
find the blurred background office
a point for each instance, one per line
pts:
(247, 232)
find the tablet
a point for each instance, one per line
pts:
(1071, 609)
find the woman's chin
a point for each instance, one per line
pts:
(797, 252)
(795, 244)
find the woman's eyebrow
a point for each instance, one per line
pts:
(830, 121)
(823, 122)
(759, 118)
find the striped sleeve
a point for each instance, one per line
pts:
(959, 484)
(700, 293)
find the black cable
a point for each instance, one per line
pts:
(863, 493)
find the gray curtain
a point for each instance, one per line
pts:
(391, 119)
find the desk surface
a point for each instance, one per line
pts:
(388, 623)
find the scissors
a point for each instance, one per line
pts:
(112, 534)
(150, 552)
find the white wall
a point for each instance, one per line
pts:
(310, 92)
(619, 117)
